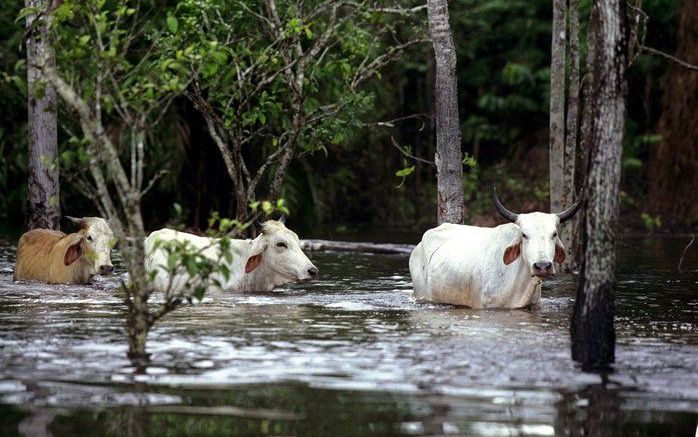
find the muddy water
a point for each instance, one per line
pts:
(352, 354)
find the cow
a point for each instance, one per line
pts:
(478, 267)
(272, 259)
(56, 258)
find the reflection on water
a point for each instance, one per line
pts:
(351, 354)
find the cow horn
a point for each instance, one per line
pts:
(282, 219)
(76, 221)
(259, 225)
(569, 212)
(501, 209)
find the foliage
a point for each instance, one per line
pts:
(13, 134)
(503, 56)
(277, 80)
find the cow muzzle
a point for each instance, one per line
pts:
(543, 269)
(106, 269)
(309, 273)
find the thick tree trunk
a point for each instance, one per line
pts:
(567, 233)
(592, 330)
(449, 167)
(585, 139)
(557, 106)
(42, 188)
(674, 166)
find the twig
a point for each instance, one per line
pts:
(404, 152)
(668, 56)
(685, 249)
(154, 179)
(391, 123)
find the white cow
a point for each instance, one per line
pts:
(272, 259)
(500, 267)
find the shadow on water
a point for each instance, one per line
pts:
(351, 354)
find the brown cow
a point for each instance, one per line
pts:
(54, 257)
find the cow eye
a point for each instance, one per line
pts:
(525, 236)
(555, 235)
(281, 244)
(89, 238)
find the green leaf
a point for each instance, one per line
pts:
(405, 172)
(172, 24)
(32, 10)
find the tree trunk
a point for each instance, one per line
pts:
(674, 166)
(568, 185)
(585, 136)
(448, 158)
(42, 188)
(557, 106)
(592, 330)
(139, 319)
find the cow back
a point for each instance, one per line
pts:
(33, 254)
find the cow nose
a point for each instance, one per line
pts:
(543, 266)
(312, 272)
(106, 269)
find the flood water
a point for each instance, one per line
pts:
(352, 354)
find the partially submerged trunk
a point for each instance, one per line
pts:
(592, 330)
(350, 246)
(448, 158)
(43, 185)
(674, 165)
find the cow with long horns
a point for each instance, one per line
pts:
(500, 267)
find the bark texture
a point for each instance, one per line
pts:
(557, 106)
(448, 158)
(592, 330)
(43, 186)
(567, 231)
(674, 166)
(585, 139)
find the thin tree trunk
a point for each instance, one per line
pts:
(449, 167)
(557, 106)
(102, 152)
(674, 165)
(592, 330)
(43, 185)
(568, 185)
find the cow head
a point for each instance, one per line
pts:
(537, 242)
(97, 241)
(279, 250)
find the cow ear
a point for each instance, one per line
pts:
(253, 262)
(73, 253)
(512, 252)
(256, 254)
(559, 252)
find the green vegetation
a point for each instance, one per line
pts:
(346, 171)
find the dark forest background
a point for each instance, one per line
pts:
(350, 182)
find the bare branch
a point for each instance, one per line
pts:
(669, 57)
(409, 155)
(154, 180)
(685, 249)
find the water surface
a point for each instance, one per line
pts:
(352, 353)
